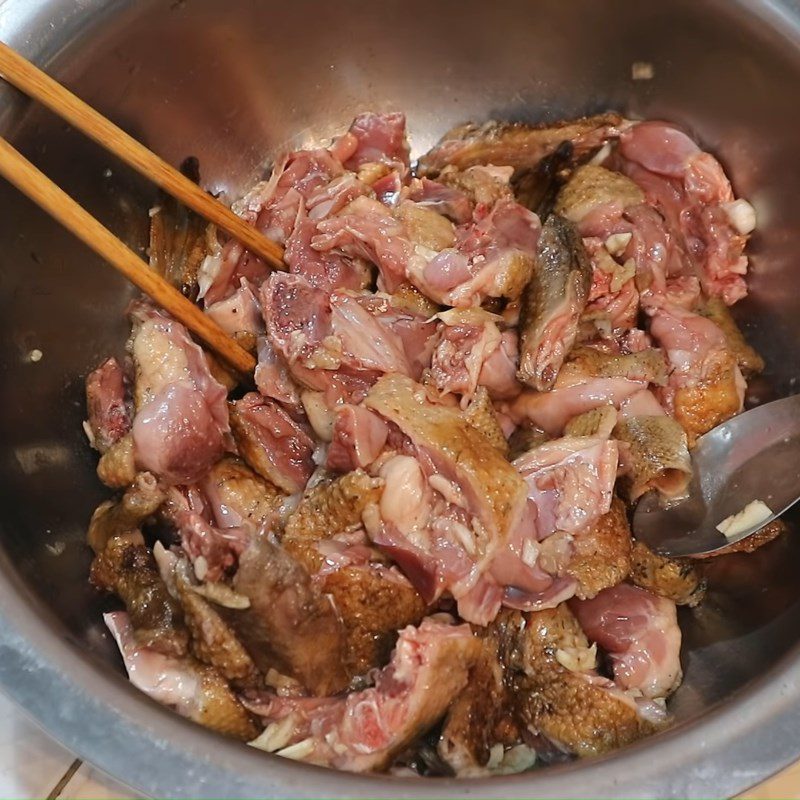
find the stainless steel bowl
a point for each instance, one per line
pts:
(233, 82)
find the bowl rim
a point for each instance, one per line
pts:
(99, 715)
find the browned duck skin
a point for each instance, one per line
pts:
(178, 242)
(480, 717)
(750, 362)
(117, 466)
(602, 554)
(677, 579)
(127, 568)
(372, 601)
(552, 303)
(516, 144)
(290, 625)
(213, 641)
(578, 711)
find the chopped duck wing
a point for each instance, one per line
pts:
(271, 442)
(555, 690)
(365, 730)
(552, 303)
(106, 401)
(289, 625)
(639, 632)
(515, 144)
(192, 689)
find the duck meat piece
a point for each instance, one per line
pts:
(482, 500)
(640, 634)
(491, 487)
(472, 352)
(331, 507)
(272, 377)
(181, 414)
(327, 270)
(127, 568)
(367, 229)
(239, 313)
(375, 139)
(516, 144)
(107, 405)
(677, 579)
(482, 185)
(555, 690)
(271, 442)
(290, 625)
(493, 257)
(358, 438)
(602, 553)
(114, 517)
(749, 361)
(374, 602)
(238, 497)
(692, 192)
(443, 198)
(552, 303)
(365, 730)
(595, 198)
(213, 551)
(570, 481)
(705, 385)
(654, 450)
(194, 690)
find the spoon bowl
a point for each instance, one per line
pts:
(753, 456)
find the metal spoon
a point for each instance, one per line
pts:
(753, 456)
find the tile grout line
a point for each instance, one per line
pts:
(64, 780)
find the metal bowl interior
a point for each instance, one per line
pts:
(232, 85)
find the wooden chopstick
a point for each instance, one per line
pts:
(40, 86)
(15, 168)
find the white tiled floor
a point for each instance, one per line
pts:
(33, 766)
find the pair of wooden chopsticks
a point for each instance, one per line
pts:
(38, 187)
